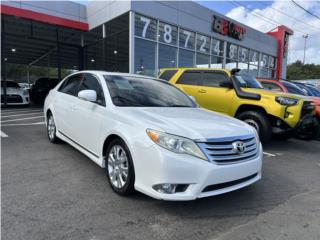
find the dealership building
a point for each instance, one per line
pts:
(137, 37)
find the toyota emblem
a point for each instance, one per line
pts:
(238, 147)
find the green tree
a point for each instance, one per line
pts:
(298, 71)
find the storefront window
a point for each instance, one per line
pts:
(203, 44)
(186, 58)
(168, 34)
(216, 62)
(202, 60)
(232, 56)
(145, 27)
(186, 39)
(145, 57)
(217, 47)
(253, 70)
(167, 56)
(243, 58)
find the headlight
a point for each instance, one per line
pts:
(175, 143)
(25, 93)
(257, 138)
(286, 101)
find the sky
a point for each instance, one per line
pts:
(266, 15)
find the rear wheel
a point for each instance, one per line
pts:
(259, 121)
(119, 167)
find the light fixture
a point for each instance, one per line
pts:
(13, 50)
(5, 59)
(92, 60)
(115, 52)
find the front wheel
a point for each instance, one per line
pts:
(119, 167)
(259, 121)
(51, 129)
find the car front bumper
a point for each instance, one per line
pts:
(16, 100)
(156, 165)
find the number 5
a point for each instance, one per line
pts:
(146, 25)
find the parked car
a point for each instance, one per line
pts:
(41, 88)
(242, 96)
(15, 94)
(290, 87)
(152, 137)
(25, 86)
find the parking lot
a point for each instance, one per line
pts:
(54, 192)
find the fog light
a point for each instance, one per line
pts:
(169, 188)
(278, 123)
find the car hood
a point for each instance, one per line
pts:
(13, 91)
(273, 94)
(193, 123)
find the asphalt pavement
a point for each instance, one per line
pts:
(52, 191)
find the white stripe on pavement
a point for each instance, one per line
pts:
(22, 124)
(16, 115)
(23, 111)
(20, 119)
(269, 154)
(3, 134)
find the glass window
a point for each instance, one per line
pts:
(130, 91)
(264, 61)
(271, 86)
(144, 60)
(145, 27)
(264, 73)
(232, 51)
(203, 44)
(186, 39)
(254, 57)
(216, 62)
(217, 47)
(253, 70)
(167, 56)
(71, 85)
(230, 64)
(91, 83)
(167, 74)
(247, 81)
(213, 79)
(292, 88)
(168, 33)
(186, 58)
(190, 78)
(243, 55)
(272, 62)
(202, 60)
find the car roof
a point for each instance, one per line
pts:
(99, 72)
(195, 69)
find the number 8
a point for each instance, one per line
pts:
(167, 37)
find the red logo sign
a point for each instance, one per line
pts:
(227, 28)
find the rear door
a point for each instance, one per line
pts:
(216, 98)
(65, 103)
(190, 82)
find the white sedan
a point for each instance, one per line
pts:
(151, 137)
(16, 95)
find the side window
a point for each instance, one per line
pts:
(71, 85)
(212, 79)
(90, 82)
(190, 78)
(271, 86)
(167, 74)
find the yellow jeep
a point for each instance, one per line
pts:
(242, 96)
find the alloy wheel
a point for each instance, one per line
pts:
(118, 166)
(51, 128)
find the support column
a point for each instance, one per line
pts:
(58, 55)
(131, 41)
(3, 70)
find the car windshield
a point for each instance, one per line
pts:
(292, 88)
(10, 84)
(131, 91)
(247, 81)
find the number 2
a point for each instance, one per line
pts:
(146, 25)
(204, 41)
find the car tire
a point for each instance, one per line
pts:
(52, 129)
(119, 167)
(260, 122)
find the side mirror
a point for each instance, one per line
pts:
(88, 95)
(226, 84)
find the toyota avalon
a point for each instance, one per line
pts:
(151, 137)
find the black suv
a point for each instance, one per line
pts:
(41, 88)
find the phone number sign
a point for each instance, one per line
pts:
(228, 28)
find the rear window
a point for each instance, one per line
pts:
(167, 74)
(190, 78)
(10, 84)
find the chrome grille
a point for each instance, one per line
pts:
(222, 151)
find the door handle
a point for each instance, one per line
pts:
(202, 91)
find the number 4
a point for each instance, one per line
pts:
(146, 25)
